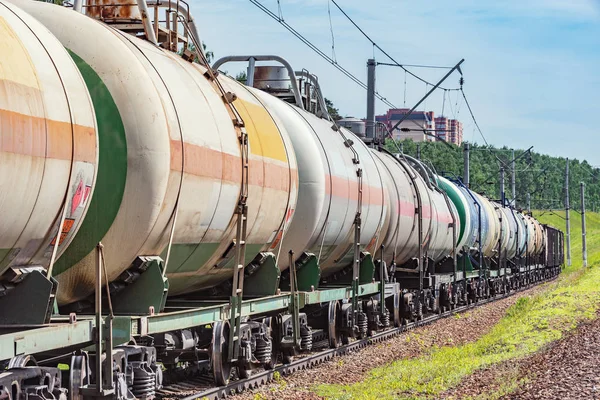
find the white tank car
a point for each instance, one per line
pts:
(328, 198)
(48, 147)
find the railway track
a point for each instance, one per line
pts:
(201, 387)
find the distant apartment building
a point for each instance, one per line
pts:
(456, 132)
(442, 125)
(416, 122)
(439, 128)
(450, 130)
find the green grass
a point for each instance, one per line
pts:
(530, 324)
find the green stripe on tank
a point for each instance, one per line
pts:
(455, 198)
(187, 258)
(3, 254)
(112, 171)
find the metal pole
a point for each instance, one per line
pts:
(99, 321)
(568, 220)
(583, 239)
(370, 126)
(502, 187)
(512, 181)
(528, 203)
(294, 305)
(419, 151)
(250, 72)
(148, 28)
(466, 172)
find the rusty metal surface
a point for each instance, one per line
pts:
(113, 9)
(272, 78)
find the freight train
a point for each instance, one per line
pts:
(160, 217)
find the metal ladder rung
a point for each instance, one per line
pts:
(238, 290)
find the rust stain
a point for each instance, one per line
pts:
(261, 74)
(108, 9)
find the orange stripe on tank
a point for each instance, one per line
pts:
(39, 137)
(341, 187)
(209, 163)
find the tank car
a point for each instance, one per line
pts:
(48, 159)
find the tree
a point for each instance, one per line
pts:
(242, 76)
(207, 53)
(333, 112)
(540, 175)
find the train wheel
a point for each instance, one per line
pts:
(78, 376)
(219, 353)
(333, 325)
(393, 305)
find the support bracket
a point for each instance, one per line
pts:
(148, 290)
(30, 301)
(264, 279)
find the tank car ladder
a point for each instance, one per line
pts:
(235, 319)
(237, 291)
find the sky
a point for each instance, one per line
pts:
(531, 70)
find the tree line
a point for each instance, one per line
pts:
(540, 175)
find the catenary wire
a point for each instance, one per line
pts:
(304, 40)
(396, 63)
(333, 56)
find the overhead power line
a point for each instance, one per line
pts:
(327, 58)
(473, 117)
(396, 63)
(332, 35)
(415, 66)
